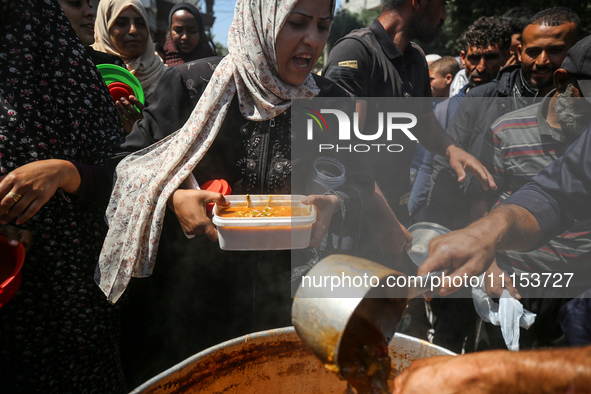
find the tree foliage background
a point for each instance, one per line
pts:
(460, 14)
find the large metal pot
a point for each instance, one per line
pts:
(274, 361)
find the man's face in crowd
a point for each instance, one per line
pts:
(429, 21)
(542, 51)
(482, 64)
(572, 110)
(515, 42)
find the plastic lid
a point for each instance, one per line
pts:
(119, 90)
(112, 73)
(217, 186)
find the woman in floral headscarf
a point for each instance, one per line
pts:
(239, 128)
(273, 46)
(121, 29)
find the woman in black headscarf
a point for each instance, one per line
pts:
(187, 40)
(58, 124)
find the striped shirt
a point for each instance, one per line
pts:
(523, 145)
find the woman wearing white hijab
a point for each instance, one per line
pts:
(273, 46)
(121, 29)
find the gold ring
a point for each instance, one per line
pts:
(15, 197)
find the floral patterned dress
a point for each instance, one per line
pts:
(58, 334)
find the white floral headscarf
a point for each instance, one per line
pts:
(147, 68)
(146, 179)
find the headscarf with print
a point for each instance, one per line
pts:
(147, 178)
(147, 68)
(174, 56)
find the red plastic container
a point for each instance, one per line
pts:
(119, 90)
(218, 186)
(11, 262)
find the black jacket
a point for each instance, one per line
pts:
(469, 128)
(479, 111)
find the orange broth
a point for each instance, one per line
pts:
(262, 211)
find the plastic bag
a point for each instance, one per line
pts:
(508, 313)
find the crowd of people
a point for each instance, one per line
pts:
(101, 192)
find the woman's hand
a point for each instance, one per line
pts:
(25, 190)
(326, 206)
(16, 235)
(190, 207)
(128, 113)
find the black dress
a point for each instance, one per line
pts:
(199, 295)
(58, 334)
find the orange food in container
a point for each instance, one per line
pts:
(267, 227)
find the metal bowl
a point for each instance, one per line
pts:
(274, 361)
(422, 233)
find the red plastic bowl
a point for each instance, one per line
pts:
(119, 90)
(11, 262)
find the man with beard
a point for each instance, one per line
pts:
(486, 44)
(381, 61)
(545, 41)
(527, 219)
(485, 50)
(523, 142)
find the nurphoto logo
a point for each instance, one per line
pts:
(387, 124)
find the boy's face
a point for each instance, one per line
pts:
(439, 84)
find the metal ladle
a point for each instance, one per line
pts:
(321, 315)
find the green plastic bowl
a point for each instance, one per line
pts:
(113, 74)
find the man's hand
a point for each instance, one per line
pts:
(461, 161)
(326, 206)
(462, 252)
(512, 60)
(471, 250)
(389, 236)
(496, 289)
(473, 373)
(500, 371)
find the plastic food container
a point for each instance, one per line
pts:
(265, 233)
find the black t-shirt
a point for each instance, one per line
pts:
(368, 64)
